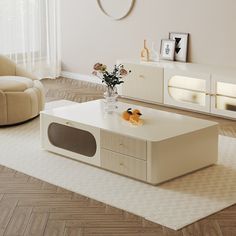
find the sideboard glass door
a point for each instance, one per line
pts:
(223, 96)
(187, 90)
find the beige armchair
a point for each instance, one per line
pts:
(21, 94)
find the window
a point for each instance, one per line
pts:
(19, 26)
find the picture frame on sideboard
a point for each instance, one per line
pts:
(167, 50)
(181, 47)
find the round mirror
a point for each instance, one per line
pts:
(116, 9)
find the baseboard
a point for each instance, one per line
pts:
(77, 76)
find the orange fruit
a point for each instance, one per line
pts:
(134, 119)
(126, 114)
(137, 112)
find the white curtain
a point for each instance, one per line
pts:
(30, 35)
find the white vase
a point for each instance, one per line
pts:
(154, 55)
(110, 101)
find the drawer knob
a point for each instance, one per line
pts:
(121, 145)
(211, 94)
(141, 76)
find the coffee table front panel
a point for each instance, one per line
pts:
(85, 152)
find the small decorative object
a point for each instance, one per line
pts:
(167, 49)
(154, 54)
(181, 46)
(133, 116)
(111, 79)
(145, 55)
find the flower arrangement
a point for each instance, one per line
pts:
(113, 78)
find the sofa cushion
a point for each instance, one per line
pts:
(15, 83)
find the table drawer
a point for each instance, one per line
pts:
(123, 144)
(122, 164)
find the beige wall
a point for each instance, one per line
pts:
(89, 36)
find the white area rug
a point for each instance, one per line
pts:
(174, 204)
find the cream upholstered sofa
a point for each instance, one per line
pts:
(21, 94)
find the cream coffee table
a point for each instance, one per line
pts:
(166, 146)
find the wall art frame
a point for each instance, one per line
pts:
(167, 50)
(181, 47)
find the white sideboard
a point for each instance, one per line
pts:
(201, 88)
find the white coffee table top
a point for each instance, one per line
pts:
(158, 125)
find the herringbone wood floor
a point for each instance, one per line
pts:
(32, 207)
